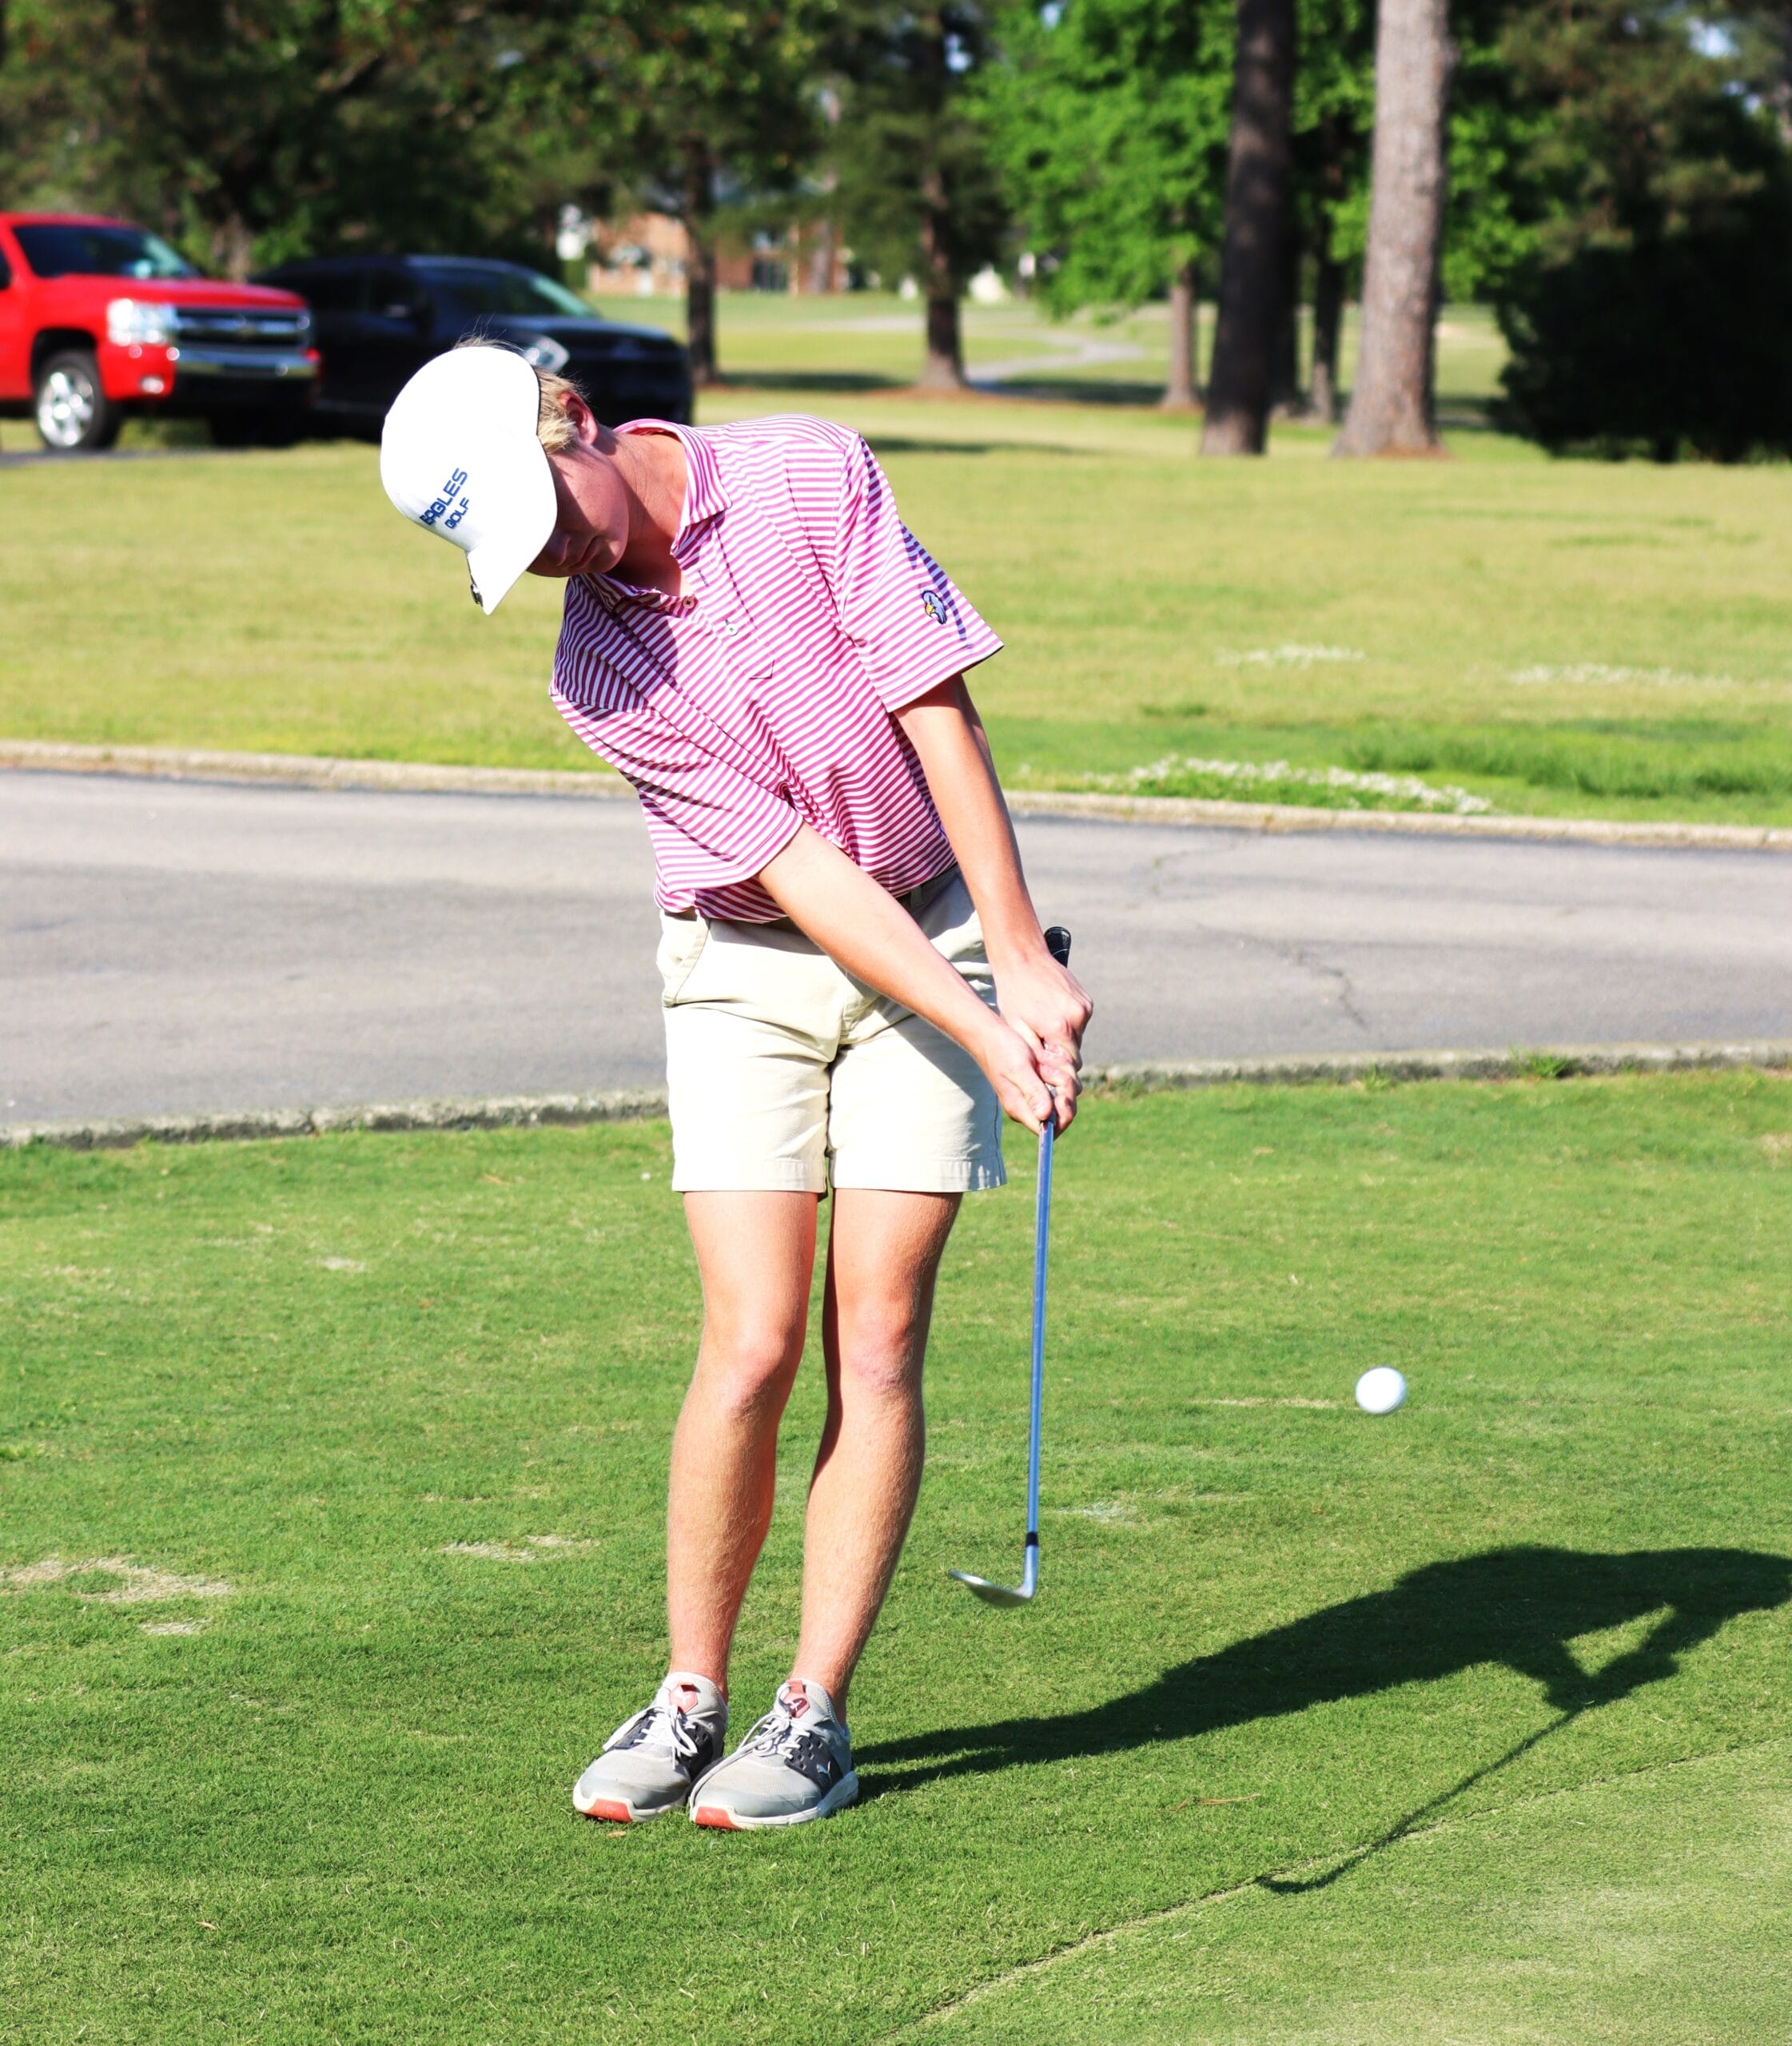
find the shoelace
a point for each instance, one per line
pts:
(772, 1733)
(646, 1725)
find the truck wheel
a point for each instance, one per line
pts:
(74, 414)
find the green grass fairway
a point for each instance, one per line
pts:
(330, 1494)
(1564, 638)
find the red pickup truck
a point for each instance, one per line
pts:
(100, 320)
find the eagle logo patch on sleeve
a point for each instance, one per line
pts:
(934, 605)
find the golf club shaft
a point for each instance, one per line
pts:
(1057, 943)
(1041, 1242)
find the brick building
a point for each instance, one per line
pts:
(648, 254)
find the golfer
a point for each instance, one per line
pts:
(856, 985)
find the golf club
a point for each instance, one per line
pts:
(1057, 943)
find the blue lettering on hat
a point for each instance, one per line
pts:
(442, 503)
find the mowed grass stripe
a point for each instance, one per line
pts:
(1653, 1906)
(409, 1397)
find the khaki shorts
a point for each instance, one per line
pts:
(783, 1070)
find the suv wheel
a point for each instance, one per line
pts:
(74, 414)
(280, 427)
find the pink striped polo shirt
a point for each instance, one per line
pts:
(762, 697)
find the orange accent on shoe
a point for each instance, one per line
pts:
(610, 1808)
(714, 1815)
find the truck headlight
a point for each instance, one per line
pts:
(545, 353)
(139, 322)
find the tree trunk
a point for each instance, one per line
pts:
(1252, 263)
(699, 268)
(944, 368)
(821, 258)
(1179, 393)
(233, 247)
(1328, 303)
(1391, 411)
(1284, 381)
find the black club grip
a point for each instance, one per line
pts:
(1057, 943)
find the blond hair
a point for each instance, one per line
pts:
(553, 425)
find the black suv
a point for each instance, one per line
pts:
(379, 319)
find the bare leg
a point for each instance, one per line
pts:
(756, 1252)
(883, 1253)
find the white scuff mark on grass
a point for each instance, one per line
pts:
(525, 1551)
(1283, 657)
(1599, 674)
(1265, 1402)
(138, 1584)
(1777, 1144)
(173, 1626)
(1343, 788)
(342, 1265)
(1109, 1513)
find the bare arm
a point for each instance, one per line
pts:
(868, 931)
(1044, 1002)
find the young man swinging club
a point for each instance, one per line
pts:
(856, 983)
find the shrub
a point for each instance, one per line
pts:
(1658, 346)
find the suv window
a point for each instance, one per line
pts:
(66, 249)
(6, 271)
(501, 289)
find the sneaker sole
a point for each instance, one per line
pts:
(720, 1820)
(618, 1812)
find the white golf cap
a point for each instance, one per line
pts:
(460, 457)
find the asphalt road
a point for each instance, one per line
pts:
(186, 947)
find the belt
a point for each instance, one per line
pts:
(914, 900)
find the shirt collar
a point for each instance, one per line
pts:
(705, 498)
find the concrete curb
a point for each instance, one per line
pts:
(1520, 1062)
(304, 770)
(316, 772)
(1140, 1076)
(480, 1111)
(1421, 824)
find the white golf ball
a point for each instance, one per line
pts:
(1380, 1391)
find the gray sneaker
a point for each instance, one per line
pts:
(649, 1763)
(796, 1765)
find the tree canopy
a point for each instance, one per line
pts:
(1617, 172)
(1110, 120)
(253, 130)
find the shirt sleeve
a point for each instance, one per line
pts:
(711, 824)
(912, 626)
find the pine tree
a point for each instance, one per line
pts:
(1255, 280)
(918, 188)
(713, 98)
(1110, 118)
(1391, 408)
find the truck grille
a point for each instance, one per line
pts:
(275, 329)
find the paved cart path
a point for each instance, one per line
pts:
(181, 947)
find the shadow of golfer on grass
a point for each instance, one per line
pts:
(1518, 1607)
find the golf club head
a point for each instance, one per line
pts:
(1005, 1595)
